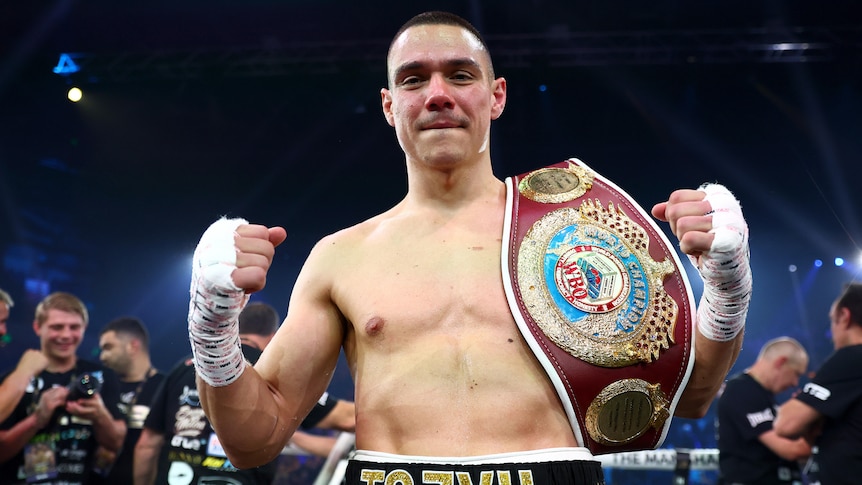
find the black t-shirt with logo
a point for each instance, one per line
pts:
(836, 392)
(135, 399)
(63, 451)
(746, 410)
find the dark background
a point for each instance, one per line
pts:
(270, 110)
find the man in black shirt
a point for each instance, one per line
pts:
(125, 348)
(750, 452)
(67, 412)
(830, 406)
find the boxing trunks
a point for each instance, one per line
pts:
(558, 466)
(603, 301)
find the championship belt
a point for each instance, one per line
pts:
(603, 301)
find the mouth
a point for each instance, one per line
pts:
(442, 124)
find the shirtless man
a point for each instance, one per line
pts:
(414, 296)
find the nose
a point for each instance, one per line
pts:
(439, 94)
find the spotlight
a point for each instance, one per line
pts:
(818, 263)
(792, 268)
(66, 65)
(839, 262)
(543, 88)
(74, 94)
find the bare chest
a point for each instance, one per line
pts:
(425, 285)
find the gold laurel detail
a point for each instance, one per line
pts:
(657, 325)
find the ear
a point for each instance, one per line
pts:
(780, 361)
(386, 103)
(499, 94)
(37, 329)
(844, 316)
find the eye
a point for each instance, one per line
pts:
(410, 81)
(462, 76)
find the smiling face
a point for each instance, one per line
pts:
(60, 334)
(442, 95)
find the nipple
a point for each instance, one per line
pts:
(374, 326)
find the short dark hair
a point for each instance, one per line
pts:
(258, 318)
(437, 17)
(851, 299)
(129, 326)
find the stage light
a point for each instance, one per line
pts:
(792, 268)
(66, 65)
(839, 262)
(543, 88)
(74, 94)
(818, 263)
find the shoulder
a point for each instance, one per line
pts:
(844, 358)
(350, 236)
(345, 246)
(737, 382)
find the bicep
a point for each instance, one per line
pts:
(302, 356)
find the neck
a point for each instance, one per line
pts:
(139, 370)
(758, 375)
(458, 184)
(61, 365)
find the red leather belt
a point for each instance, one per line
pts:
(602, 299)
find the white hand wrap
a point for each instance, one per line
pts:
(725, 269)
(215, 305)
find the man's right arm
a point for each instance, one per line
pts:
(12, 389)
(255, 410)
(146, 459)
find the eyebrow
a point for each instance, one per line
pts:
(451, 63)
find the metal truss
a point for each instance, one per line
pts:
(553, 50)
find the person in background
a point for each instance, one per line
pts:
(68, 411)
(31, 363)
(828, 411)
(124, 345)
(750, 451)
(177, 439)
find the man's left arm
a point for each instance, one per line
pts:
(712, 231)
(712, 362)
(796, 419)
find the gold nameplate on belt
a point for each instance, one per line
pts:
(587, 277)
